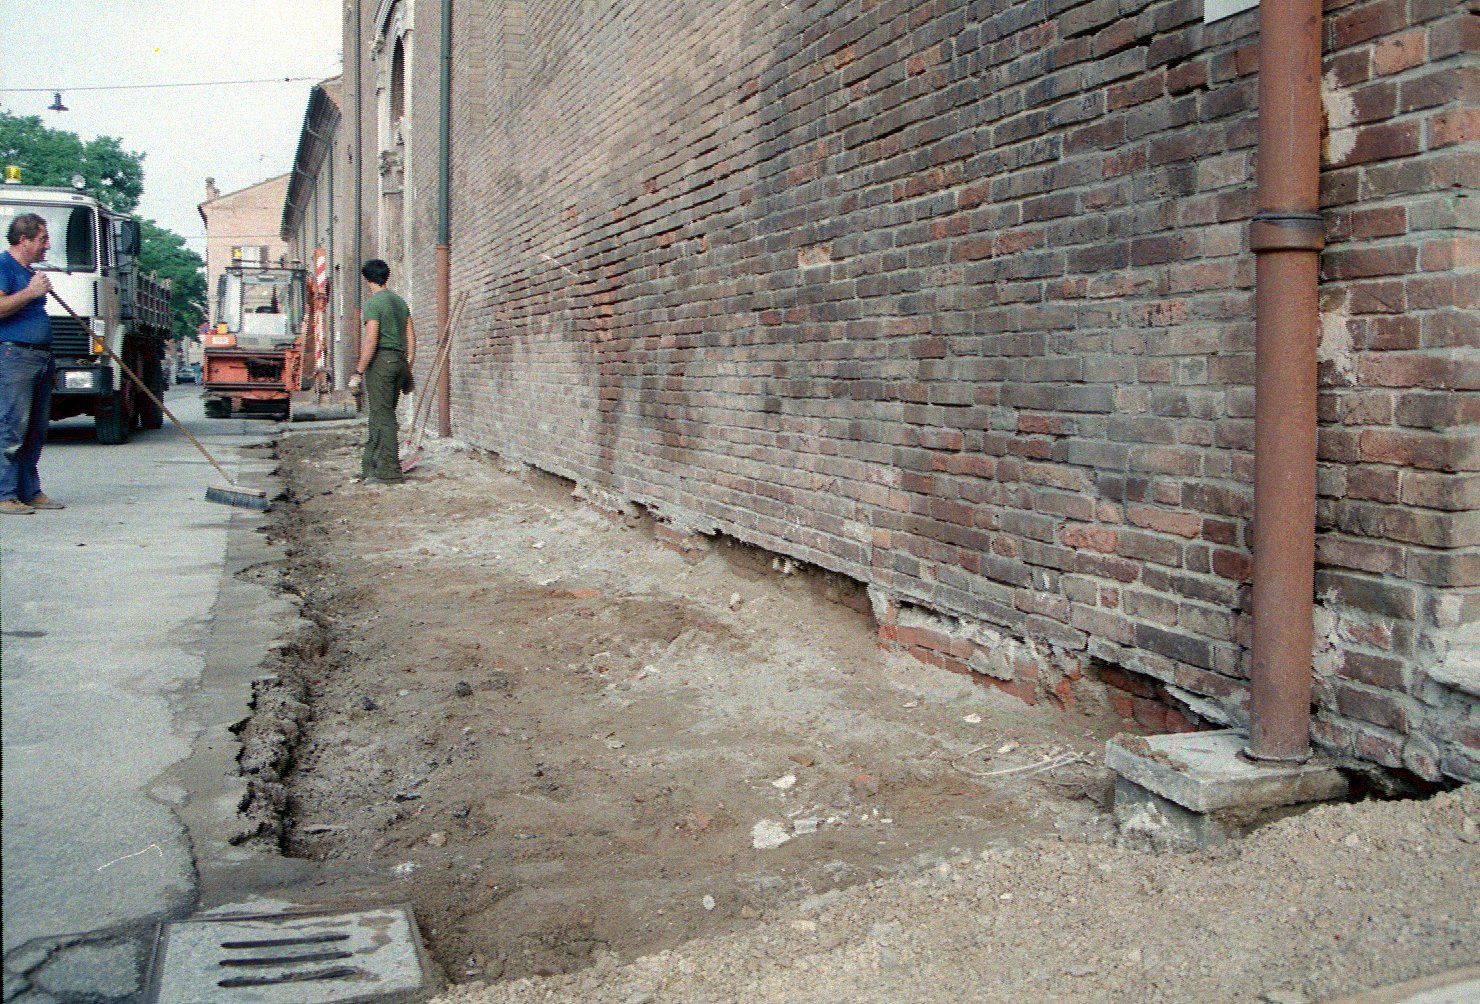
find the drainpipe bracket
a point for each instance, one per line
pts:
(1276, 231)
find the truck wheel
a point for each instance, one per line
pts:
(151, 416)
(216, 408)
(115, 427)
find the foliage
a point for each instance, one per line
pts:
(115, 177)
(46, 156)
(164, 253)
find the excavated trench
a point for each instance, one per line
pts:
(558, 738)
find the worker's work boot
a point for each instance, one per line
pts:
(42, 502)
(15, 507)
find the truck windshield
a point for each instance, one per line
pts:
(262, 308)
(73, 231)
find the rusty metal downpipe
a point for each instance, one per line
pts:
(1286, 236)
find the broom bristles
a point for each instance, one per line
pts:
(242, 498)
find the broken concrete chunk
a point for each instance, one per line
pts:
(768, 834)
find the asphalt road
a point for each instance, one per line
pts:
(106, 623)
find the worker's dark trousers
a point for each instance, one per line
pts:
(384, 381)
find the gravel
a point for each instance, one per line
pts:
(1340, 899)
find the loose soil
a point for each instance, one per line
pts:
(558, 737)
(570, 747)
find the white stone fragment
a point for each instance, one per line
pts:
(768, 834)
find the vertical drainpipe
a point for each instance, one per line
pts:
(1286, 236)
(353, 288)
(444, 252)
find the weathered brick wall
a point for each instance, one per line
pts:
(955, 298)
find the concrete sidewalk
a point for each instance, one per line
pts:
(109, 610)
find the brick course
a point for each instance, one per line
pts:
(954, 298)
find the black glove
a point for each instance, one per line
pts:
(409, 384)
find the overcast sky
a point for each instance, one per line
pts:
(237, 134)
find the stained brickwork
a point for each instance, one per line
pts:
(955, 298)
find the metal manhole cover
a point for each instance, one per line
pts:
(300, 958)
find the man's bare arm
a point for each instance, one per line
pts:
(410, 341)
(368, 343)
(35, 290)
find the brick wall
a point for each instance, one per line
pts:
(249, 217)
(955, 298)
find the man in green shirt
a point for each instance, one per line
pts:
(387, 350)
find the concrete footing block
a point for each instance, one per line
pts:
(1195, 790)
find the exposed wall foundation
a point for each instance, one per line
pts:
(1199, 790)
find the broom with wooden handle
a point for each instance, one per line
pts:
(422, 413)
(229, 494)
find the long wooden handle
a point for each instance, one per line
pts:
(438, 364)
(423, 411)
(444, 344)
(135, 378)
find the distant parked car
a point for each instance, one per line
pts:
(185, 374)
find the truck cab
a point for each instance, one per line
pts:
(93, 266)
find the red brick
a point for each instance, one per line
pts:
(1236, 565)
(1383, 141)
(1126, 681)
(1452, 126)
(1399, 52)
(1367, 22)
(1183, 524)
(1370, 705)
(1374, 670)
(1424, 450)
(1093, 538)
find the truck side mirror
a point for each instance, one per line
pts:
(129, 238)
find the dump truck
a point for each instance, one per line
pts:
(254, 354)
(93, 265)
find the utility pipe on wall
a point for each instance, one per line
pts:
(444, 229)
(1286, 236)
(353, 288)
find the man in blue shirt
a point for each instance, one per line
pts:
(27, 368)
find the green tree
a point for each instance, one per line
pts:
(46, 156)
(115, 177)
(164, 253)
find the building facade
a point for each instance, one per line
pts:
(314, 231)
(956, 298)
(242, 225)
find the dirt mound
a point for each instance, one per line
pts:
(1339, 900)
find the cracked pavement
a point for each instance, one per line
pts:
(128, 648)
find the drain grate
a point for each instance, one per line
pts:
(294, 958)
